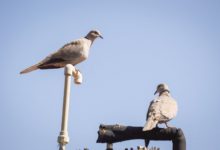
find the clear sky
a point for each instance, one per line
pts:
(145, 43)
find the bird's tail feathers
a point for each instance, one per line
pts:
(146, 142)
(150, 124)
(29, 69)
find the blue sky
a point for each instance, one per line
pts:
(145, 43)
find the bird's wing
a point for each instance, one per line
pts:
(152, 115)
(149, 109)
(150, 123)
(147, 141)
(70, 52)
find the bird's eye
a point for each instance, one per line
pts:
(95, 32)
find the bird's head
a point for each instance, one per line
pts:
(162, 88)
(93, 34)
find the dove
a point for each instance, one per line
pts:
(162, 109)
(71, 53)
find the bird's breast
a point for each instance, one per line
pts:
(85, 54)
(85, 49)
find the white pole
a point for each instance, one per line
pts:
(109, 146)
(70, 70)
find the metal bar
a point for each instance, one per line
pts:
(119, 133)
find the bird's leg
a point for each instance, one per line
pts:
(168, 126)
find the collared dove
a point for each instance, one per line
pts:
(161, 110)
(71, 53)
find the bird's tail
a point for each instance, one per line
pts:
(150, 124)
(146, 142)
(29, 69)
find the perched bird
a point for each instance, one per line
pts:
(161, 110)
(71, 53)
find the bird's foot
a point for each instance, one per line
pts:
(168, 126)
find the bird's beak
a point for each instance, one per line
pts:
(155, 92)
(101, 36)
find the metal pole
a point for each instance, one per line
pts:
(63, 138)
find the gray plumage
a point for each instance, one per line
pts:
(162, 109)
(71, 53)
